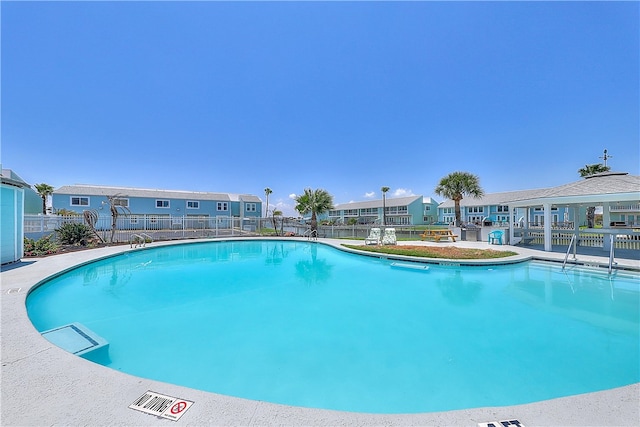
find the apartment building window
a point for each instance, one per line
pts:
(351, 212)
(475, 209)
(161, 203)
(369, 211)
(250, 207)
(223, 206)
(79, 201)
(193, 204)
(503, 208)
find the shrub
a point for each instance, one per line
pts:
(43, 246)
(73, 234)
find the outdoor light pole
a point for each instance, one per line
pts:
(384, 205)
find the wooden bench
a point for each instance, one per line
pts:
(436, 235)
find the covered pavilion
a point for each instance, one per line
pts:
(608, 189)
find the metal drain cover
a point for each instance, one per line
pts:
(161, 405)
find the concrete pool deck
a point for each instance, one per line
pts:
(45, 385)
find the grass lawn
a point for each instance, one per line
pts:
(449, 252)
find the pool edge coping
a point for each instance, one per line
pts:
(29, 349)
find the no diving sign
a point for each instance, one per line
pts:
(161, 405)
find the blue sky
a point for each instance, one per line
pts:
(345, 96)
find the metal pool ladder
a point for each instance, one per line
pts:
(611, 251)
(573, 243)
(139, 240)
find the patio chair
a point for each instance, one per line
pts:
(495, 237)
(389, 237)
(373, 238)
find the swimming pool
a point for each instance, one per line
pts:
(305, 324)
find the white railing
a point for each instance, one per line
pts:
(153, 226)
(626, 208)
(592, 240)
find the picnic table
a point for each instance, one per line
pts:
(437, 234)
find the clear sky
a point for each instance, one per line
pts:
(345, 96)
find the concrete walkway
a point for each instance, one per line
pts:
(44, 385)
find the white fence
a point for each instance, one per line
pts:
(158, 227)
(184, 227)
(594, 240)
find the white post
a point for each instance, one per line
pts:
(547, 226)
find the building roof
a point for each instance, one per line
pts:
(399, 201)
(494, 199)
(9, 177)
(603, 187)
(606, 187)
(100, 190)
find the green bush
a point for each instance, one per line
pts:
(43, 246)
(73, 234)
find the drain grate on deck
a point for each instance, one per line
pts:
(161, 405)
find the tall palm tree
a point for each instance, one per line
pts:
(384, 204)
(315, 202)
(456, 185)
(584, 172)
(44, 190)
(267, 191)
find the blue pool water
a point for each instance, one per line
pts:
(305, 324)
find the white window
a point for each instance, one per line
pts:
(79, 201)
(121, 202)
(503, 208)
(162, 203)
(223, 206)
(250, 207)
(193, 204)
(133, 219)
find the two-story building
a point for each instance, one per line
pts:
(155, 206)
(413, 210)
(493, 208)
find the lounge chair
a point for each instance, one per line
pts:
(495, 237)
(373, 238)
(389, 237)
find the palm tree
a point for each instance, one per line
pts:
(267, 191)
(315, 202)
(584, 172)
(456, 185)
(384, 207)
(44, 190)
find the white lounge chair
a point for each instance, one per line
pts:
(389, 237)
(373, 238)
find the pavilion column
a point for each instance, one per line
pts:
(512, 220)
(606, 215)
(606, 223)
(547, 226)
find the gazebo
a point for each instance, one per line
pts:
(608, 189)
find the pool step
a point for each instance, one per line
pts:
(412, 266)
(79, 340)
